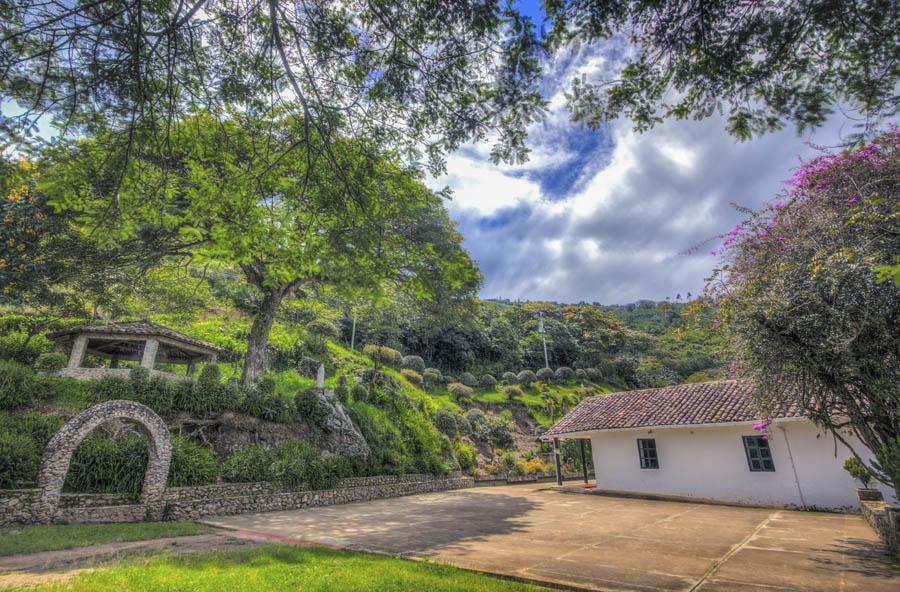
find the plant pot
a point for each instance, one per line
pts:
(869, 495)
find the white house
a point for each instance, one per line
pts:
(698, 441)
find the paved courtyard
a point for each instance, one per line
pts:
(601, 543)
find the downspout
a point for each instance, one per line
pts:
(793, 467)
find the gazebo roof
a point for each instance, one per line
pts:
(142, 328)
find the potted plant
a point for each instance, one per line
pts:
(859, 472)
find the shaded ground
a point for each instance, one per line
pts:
(50, 566)
(599, 542)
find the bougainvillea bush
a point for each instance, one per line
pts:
(808, 291)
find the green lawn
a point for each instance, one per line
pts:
(285, 567)
(15, 540)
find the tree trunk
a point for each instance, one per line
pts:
(255, 360)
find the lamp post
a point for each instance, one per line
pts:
(543, 338)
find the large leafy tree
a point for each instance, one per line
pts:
(228, 190)
(762, 63)
(813, 317)
(422, 77)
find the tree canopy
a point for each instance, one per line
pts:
(761, 64)
(813, 318)
(227, 190)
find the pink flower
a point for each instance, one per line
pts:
(852, 200)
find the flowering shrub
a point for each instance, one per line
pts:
(808, 292)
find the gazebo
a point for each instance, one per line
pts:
(143, 341)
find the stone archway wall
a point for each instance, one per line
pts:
(58, 454)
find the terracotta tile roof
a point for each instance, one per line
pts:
(143, 327)
(725, 401)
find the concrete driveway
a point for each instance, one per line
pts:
(601, 543)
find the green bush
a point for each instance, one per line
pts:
(20, 460)
(488, 382)
(37, 426)
(322, 328)
(465, 455)
(447, 422)
(581, 374)
(413, 363)
(432, 377)
(512, 392)
(459, 390)
(192, 464)
(564, 374)
(297, 464)
(342, 392)
(16, 346)
(412, 376)
(468, 379)
(260, 402)
(858, 471)
(248, 465)
(526, 378)
(594, 374)
(359, 392)
(310, 407)
(476, 418)
(20, 385)
(544, 374)
(888, 462)
(112, 388)
(509, 377)
(51, 361)
(381, 355)
(108, 465)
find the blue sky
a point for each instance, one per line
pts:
(607, 215)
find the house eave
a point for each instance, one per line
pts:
(579, 435)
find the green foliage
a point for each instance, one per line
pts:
(513, 392)
(468, 379)
(311, 408)
(887, 460)
(322, 328)
(858, 470)
(20, 385)
(50, 361)
(543, 375)
(432, 377)
(451, 424)
(359, 392)
(19, 459)
(465, 454)
(192, 464)
(297, 464)
(381, 355)
(18, 346)
(526, 378)
(564, 374)
(415, 363)
(459, 390)
(108, 465)
(249, 465)
(509, 377)
(412, 376)
(487, 382)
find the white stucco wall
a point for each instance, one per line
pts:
(710, 463)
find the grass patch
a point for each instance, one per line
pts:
(15, 540)
(283, 567)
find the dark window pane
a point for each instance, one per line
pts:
(759, 455)
(647, 453)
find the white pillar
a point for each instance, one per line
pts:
(78, 349)
(148, 360)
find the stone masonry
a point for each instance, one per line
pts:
(58, 454)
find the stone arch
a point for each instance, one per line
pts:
(58, 454)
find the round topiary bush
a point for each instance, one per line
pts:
(544, 374)
(594, 374)
(322, 328)
(50, 362)
(508, 377)
(512, 392)
(488, 382)
(447, 422)
(432, 376)
(581, 374)
(413, 363)
(526, 378)
(382, 355)
(310, 407)
(564, 374)
(468, 379)
(248, 465)
(459, 390)
(412, 376)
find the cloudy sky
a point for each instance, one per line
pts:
(606, 216)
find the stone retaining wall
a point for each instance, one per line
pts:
(488, 480)
(885, 520)
(190, 503)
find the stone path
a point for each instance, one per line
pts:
(597, 542)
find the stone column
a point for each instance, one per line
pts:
(191, 367)
(559, 478)
(78, 349)
(148, 360)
